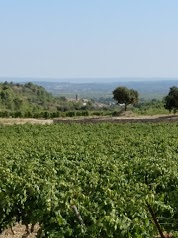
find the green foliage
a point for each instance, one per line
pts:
(171, 100)
(70, 114)
(27, 97)
(30, 100)
(110, 172)
(153, 107)
(125, 95)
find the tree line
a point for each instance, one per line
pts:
(126, 96)
(32, 101)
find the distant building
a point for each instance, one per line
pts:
(77, 97)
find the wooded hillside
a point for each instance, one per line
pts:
(26, 97)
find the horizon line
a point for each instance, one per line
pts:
(114, 77)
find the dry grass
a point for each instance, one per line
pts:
(11, 121)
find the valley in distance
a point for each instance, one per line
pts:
(95, 88)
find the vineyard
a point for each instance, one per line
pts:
(101, 180)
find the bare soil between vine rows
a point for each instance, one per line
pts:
(19, 232)
(120, 119)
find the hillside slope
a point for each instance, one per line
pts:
(26, 97)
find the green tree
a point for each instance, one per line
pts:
(171, 100)
(18, 103)
(125, 95)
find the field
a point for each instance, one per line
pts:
(90, 180)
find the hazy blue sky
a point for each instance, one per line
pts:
(89, 38)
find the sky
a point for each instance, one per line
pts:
(88, 38)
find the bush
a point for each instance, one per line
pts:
(79, 113)
(115, 114)
(70, 114)
(18, 114)
(85, 113)
(97, 113)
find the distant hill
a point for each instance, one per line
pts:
(26, 97)
(31, 100)
(53, 99)
(87, 80)
(147, 89)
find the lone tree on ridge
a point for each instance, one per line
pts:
(171, 100)
(125, 96)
